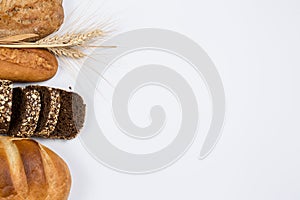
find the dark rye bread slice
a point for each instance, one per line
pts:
(5, 105)
(50, 106)
(71, 116)
(25, 112)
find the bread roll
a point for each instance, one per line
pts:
(41, 17)
(27, 65)
(29, 170)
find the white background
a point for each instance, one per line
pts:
(255, 45)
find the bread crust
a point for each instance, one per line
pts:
(31, 171)
(27, 65)
(41, 17)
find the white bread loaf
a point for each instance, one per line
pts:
(31, 171)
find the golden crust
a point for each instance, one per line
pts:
(41, 17)
(7, 188)
(60, 176)
(30, 171)
(33, 167)
(27, 65)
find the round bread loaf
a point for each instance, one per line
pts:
(31, 171)
(41, 17)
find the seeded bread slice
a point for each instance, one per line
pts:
(39, 111)
(50, 106)
(71, 116)
(25, 112)
(5, 105)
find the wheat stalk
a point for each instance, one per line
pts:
(17, 38)
(67, 45)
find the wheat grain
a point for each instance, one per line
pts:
(64, 39)
(70, 40)
(67, 52)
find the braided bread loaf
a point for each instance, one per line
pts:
(30, 171)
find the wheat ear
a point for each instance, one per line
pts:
(67, 52)
(70, 40)
(67, 45)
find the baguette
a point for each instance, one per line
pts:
(31, 171)
(27, 65)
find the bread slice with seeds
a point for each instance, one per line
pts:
(50, 106)
(5, 105)
(38, 111)
(26, 109)
(71, 116)
(62, 113)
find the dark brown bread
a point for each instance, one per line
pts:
(71, 116)
(25, 112)
(31, 171)
(50, 107)
(41, 17)
(39, 111)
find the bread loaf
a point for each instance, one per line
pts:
(41, 17)
(71, 116)
(27, 65)
(31, 171)
(62, 114)
(39, 111)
